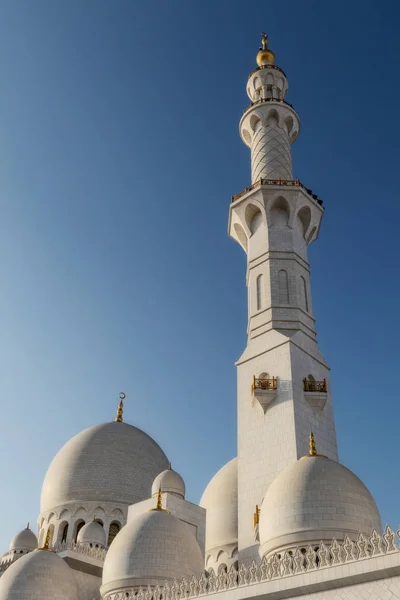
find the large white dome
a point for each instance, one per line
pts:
(152, 548)
(315, 499)
(36, 576)
(220, 499)
(112, 462)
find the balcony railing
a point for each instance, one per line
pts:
(261, 100)
(274, 67)
(286, 182)
(264, 384)
(310, 385)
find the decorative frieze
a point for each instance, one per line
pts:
(292, 562)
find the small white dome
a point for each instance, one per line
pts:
(152, 548)
(92, 533)
(315, 499)
(24, 540)
(112, 462)
(38, 575)
(169, 481)
(220, 499)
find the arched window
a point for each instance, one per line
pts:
(78, 526)
(303, 293)
(259, 292)
(63, 532)
(113, 531)
(283, 287)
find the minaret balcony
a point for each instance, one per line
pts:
(277, 182)
(264, 390)
(315, 393)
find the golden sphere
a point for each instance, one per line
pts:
(265, 57)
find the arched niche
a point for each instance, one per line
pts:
(254, 120)
(311, 235)
(279, 213)
(241, 235)
(253, 217)
(79, 523)
(273, 118)
(222, 555)
(63, 532)
(65, 514)
(289, 124)
(247, 136)
(304, 219)
(113, 530)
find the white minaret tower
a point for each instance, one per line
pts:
(283, 379)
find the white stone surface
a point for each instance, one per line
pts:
(169, 481)
(220, 499)
(24, 540)
(109, 462)
(192, 515)
(88, 586)
(102, 469)
(38, 575)
(93, 534)
(315, 499)
(150, 549)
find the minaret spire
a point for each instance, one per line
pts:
(120, 410)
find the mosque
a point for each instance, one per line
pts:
(284, 519)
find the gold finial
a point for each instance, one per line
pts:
(265, 56)
(46, 545)
(159, 503)
(159, 500)
(313, 447)
(256, 516)
(264, 40)
(120, 410)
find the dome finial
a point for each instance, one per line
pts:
(264, 40)
(46, 545)
(313, 447)
(169, 466)
(27, 525)
(265, 56)
(120, 410)
(159, 500)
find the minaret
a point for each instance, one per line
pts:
(283, 379)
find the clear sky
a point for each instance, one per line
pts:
(119, 152)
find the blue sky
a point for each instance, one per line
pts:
(119, 152)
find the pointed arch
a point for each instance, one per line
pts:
(253, 217)
(303, 299)
(63, 532)
(283, 287)
(304, 219)
(114, 529)
(77, 527)
(279, 212)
